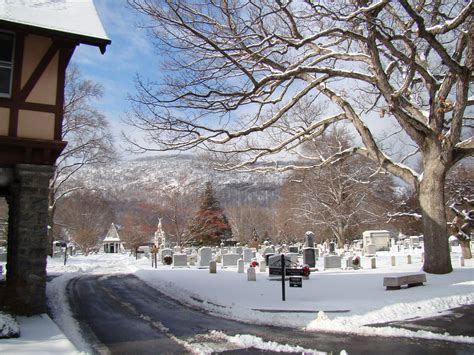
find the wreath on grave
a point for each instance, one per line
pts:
(168, 260)
(254, 263)
(356, 261)
(306, 270)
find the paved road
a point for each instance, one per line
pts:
(120, 314)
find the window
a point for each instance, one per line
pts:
(6, 63)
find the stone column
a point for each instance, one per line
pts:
(28, 238)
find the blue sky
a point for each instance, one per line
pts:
(131, 53)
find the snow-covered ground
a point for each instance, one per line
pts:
(333, 300)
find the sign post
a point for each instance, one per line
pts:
(283, 277)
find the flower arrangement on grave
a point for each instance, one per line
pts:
(254, 263)
(168, 260)
(356, 261)
(306, 270)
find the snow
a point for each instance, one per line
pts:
(71, 16)
(331, 300)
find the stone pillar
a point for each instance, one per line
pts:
(28, 239)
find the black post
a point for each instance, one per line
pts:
(65, 255)
(156, 259)
(282, 277)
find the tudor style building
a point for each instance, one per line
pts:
(37, 40)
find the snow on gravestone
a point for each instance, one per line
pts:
(204, 257)
(309, 239)
(165, 252)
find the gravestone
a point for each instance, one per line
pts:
(165, 252)
(251, 274)
(267, 257)
(294, 249)
(373, 263)
(332, 262)
(239, 250)
(393, 260)
(240, 266)
(247, 255)
(332, 248)
(192, 260)
(275, 261)
(408, 259)
(309, 239)
(263, 266)
(309, 257)
(212, 267)
(293, 257)
(461, 261)
(230, 260)
(370, 249)
(180, 260)
(177, 249)
(204, 257)
(349, 264)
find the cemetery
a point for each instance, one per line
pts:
(339, 294)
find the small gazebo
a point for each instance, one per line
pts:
(112, 243)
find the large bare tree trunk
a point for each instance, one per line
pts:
(435, 231)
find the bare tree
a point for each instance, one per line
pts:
(252, 224)
(409, 62)
(85, 215)
(87, 132)
(460, 195)
(136, 231)
(341, 198)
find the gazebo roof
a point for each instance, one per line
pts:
(74, 19)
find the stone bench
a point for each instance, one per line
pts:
(411, 280)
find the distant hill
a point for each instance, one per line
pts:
(149, 179)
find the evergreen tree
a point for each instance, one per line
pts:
(210, 226)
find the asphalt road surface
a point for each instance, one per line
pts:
(120, 314)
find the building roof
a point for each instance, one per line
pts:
(75, 19)
(112, 235)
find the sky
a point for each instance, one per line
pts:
(131, 53)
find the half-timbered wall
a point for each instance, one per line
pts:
(31, 118)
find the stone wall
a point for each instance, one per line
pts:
(27, 239)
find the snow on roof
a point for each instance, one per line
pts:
(112, 235)
(77, 17)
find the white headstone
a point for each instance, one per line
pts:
(204, 257)
(373, 263)
(248, 255)
(461, 261)
(408, 259)
(370, 249)
(332, 262)
(251, 274)
(263, 266)
(394, 260)
(180, 260)
(240, 266)
(230, 260)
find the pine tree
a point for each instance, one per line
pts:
(210, 226)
